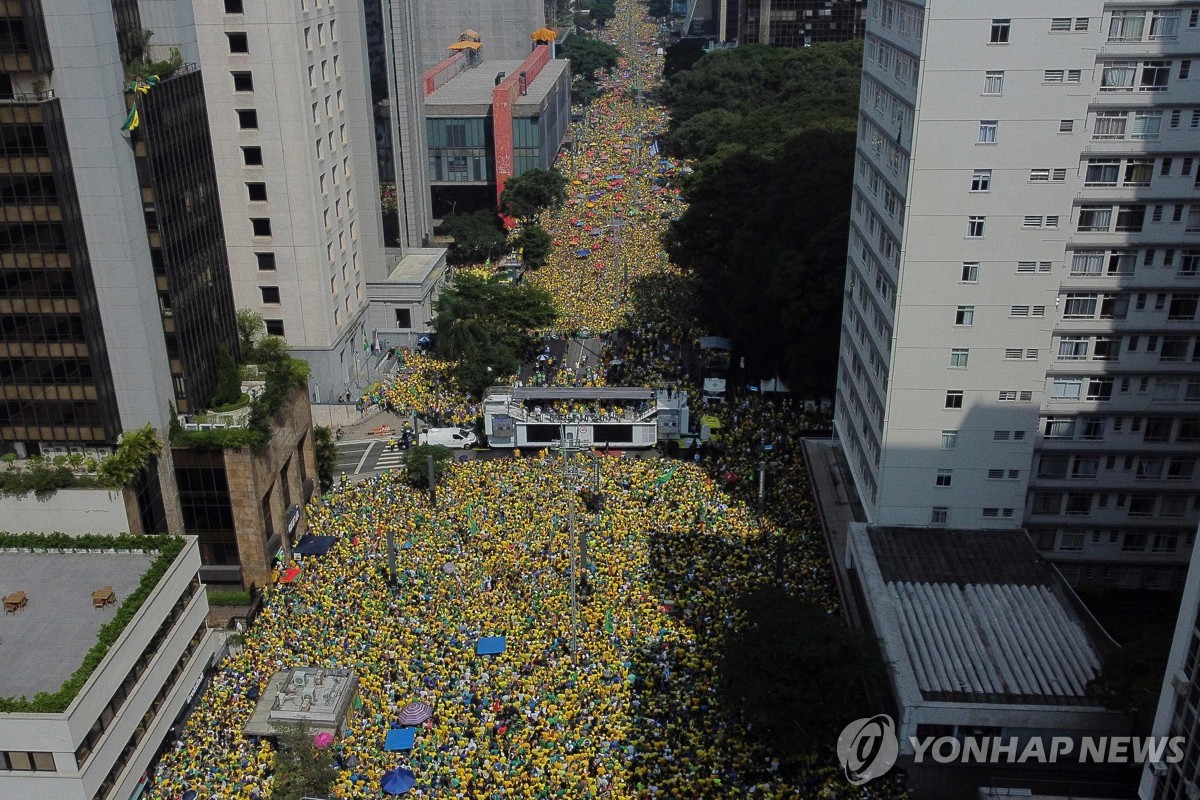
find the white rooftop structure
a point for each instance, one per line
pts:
(979, 632)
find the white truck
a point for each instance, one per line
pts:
(454, 438)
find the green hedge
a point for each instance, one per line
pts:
(44, 480)
(223, 438)
(231, 597)
(167, 547)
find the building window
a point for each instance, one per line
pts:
(266, 261)
(964, 315)
(243, 81)
(938, 515)
(949, 440)
(238, 43)
(958, 357)
(981, 180)
(954, 399)
(261, 226)
(403, 318)
(252, 156)
(247, 119)
(987, 131)
(993, 82)
(1109, 125)
(274, 327)
(1117, 76)
(256, 192)
(1164, 25)
(1066, 125)
(1000, 29)
(975, 227)
(944, 476)
(270, 295)
(24, 761)
(233, 6)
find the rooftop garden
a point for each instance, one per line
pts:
(268, 359)
(45, 476)
(167, 548)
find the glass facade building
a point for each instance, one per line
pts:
(187, 240)
(55, 384)
(460, 150)
(56, 366)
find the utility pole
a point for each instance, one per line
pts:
(391, 545)
(432, 485)
(574, 577)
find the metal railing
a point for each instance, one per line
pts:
(28, 97)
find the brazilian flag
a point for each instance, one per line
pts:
(131, 121)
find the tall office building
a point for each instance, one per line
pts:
(405, 116)
(798, 23)
(1019, 337)
(114, 291)
(293, 140)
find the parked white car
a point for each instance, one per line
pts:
(454, 438)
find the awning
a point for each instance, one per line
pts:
(544, 35)
(465, 46)
(314, 545)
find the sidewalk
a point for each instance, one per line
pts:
(839, 506)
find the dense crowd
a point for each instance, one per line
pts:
(620, 192)
(423, 387)
(633, 716)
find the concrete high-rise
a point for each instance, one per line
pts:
(1019, 338)
(114, 289)
(289, 104)
(1178, 711)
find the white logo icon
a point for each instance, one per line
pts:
(867, 748)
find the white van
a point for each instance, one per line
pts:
(455, 438)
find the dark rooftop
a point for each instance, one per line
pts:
(937, 555)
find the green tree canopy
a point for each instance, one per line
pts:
(250, 326)
(535, 244)
(229, 384)
(739, 93)
(681, 56)
(601, 11)
(795, 672)
(766, 240)
(588, 55)
(659, 9)
(415, 462)
(301, 769)
(526, 194)
(485, 324)
(326, 456)
(477, 237)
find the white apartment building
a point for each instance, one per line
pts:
(1019, 343)
(100, 746)
(289, 106)
(1178, 712)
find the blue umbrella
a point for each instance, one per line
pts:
(584, 253)
(397, 781)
